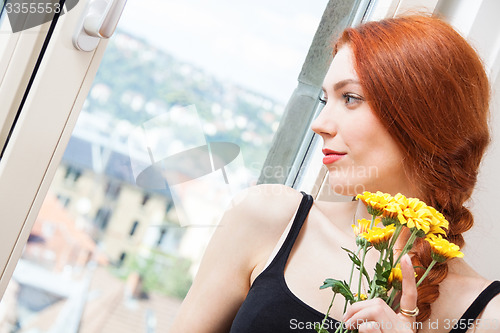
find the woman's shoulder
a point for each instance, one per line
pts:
(254, 222)
(487, 303)
(461, 288)
(267, 206)
(491, 314)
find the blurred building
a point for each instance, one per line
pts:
(95, 183)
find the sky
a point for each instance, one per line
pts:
(258, 44)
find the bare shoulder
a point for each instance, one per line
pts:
(463, 277)
(269, 206)
(489, 320)
(258, 216)
(246, 234)
(254, 221)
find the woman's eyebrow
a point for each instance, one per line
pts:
(341, 84)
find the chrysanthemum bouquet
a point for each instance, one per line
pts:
(393, 213)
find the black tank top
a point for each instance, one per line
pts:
(270, 306)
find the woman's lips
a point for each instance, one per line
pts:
(331, 156)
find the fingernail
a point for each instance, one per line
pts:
(407, 258)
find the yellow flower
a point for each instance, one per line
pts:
(363, 297)
(375, 202)
(396, 277)
(442, 249)
(363, 225)
(416, 216)
(393, 209)
(379, 237)
(438, 222)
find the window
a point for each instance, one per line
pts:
(163, 232)
(145, 198)
(64, 200)
(112, 190)
(186, 113)
(102, 218)
(123, 255)
(72, 174)
(134, 228)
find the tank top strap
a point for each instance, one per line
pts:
(279, 261)
(477, 307)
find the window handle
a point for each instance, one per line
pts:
(98, 21)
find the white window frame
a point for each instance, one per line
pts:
(43, 129)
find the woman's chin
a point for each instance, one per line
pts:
(346, 188)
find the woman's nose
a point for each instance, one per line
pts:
(325, 123)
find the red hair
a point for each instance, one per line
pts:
(429, 88)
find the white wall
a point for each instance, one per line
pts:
(478, 21)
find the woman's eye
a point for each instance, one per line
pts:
(322, 100)
(351, 99)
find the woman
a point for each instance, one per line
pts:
(406, 110)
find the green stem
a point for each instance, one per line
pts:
(327, 312)
(360, 274)
(394, 238)
(426, 272)
(407, 246)
(392, 296)
(352, 267)
(340, 327)
(373, 284)
(362, 267)
(352, 273)
(373, 221)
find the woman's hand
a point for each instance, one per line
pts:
(374, 315)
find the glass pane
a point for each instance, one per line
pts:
(5, 36)
(5, 31)
(180, 117)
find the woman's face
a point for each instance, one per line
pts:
(359, 152)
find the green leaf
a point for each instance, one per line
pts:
(338, 286)
(382, 272)
(353, 256)
(347, 250)
(365, 273)
(357, 262)
(381, 292)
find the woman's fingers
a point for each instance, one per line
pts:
(374, 315)
(371, 310)
(409, 293)
(369, 327)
